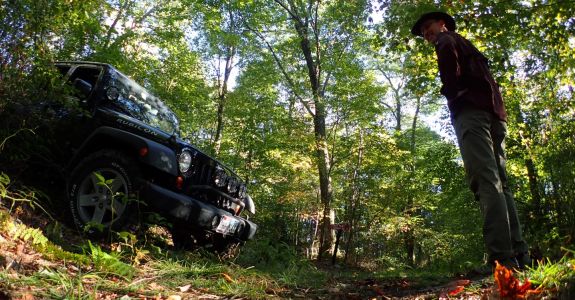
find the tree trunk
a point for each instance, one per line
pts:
(354, 201)
(222, 95)
(537, 216)
(534, 189)
(323, 165)
(322, 150)
(315, 106)
(397, 98)
(410, 208)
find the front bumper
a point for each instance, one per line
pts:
(194, 212)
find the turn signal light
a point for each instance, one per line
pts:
(179, 182)
(143, 151)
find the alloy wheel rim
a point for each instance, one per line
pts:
(101, 204)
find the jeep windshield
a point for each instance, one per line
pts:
(136, 101)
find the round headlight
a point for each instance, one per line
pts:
(232, 185)
(185, 161)
(220, 177)
(242, 190)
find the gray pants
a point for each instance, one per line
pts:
(481, 135)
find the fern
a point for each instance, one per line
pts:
(4, 182)
(26, 195)
(34, 235)
(106, 262)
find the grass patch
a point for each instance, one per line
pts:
(555, 275)
(139, 269)
(282, 262)
(34, 264)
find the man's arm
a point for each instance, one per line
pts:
(449, 68)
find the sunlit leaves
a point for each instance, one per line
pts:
(509, 286)
(401, 178)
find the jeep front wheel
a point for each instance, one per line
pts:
(102, 191)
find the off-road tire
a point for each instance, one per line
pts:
(182, 238)
(99, 209)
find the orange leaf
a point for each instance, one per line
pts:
(27, 297)
(456, 291)
(509, 286)
(227, 277)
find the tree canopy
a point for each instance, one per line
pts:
(331, 109)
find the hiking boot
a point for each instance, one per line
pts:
(489, 268)
(510, 263)
(524, 260)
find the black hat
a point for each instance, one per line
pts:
(435, 15)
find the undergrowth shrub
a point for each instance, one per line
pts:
(109, 263)
(281, 260)
(269, 255)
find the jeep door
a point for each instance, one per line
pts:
(75, 116)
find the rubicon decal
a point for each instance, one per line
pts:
(136, 126)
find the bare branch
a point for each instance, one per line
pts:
(115, 22)
(385, 74)
(290, 12)
(328, 76)
(146, 15)
(317, 41)
(284, 72)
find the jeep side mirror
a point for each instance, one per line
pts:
(112, 93)
(83, 86)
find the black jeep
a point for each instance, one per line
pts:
(122, 155)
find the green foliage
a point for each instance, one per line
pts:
(280, 259)
(68, 286)
(109, 263)
(55, 252)
(4, 181)
(34, 235)
(131, 245)
(211, 276)
(554, 275)
(393, 179)
(18, 197)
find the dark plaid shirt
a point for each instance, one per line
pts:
(467, 81)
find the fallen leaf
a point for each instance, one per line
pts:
(509, 286)
(227, 277)
(184, 288)
(27, 297)
(456, 291)
(19, 249)
(155, 286)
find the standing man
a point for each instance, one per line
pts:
(479, 119)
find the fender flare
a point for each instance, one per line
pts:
(158, 156)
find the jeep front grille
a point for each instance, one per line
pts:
(202, 186)
(202, 174)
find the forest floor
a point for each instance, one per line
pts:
(460, 287)
(35, 264)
